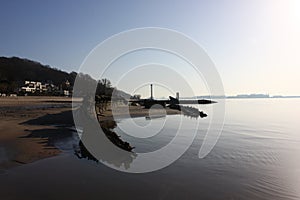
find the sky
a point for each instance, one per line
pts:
(255, 44)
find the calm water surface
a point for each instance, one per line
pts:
(256, 157)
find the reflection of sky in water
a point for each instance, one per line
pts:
(167, 129)
(256, 157)
(3, 156)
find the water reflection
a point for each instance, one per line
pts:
(257, 157)
(189, 111)
(81, 152)
(52, 134)
(99, 139)
(107, 127)
(60, 136)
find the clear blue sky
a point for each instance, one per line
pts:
(255, 44)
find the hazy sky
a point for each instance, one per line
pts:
(255, 44)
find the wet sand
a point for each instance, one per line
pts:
(16, 125)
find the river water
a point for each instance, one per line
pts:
(256, 157)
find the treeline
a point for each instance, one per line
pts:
(14, 71)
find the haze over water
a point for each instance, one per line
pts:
(256, 157)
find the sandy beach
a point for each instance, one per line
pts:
(20, 118)
(27, 125)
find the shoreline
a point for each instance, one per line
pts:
(8, 102)
(24, 125)
(29, 124)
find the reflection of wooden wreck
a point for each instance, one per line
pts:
(102, 102)
(113, 137)
(155, 117)
(82, 152)
(188, 111)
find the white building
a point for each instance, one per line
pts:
(31, 86)
(34, 86)
(38, 87)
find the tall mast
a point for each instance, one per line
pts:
(151, 89)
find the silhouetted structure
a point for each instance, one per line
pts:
(148, 103)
